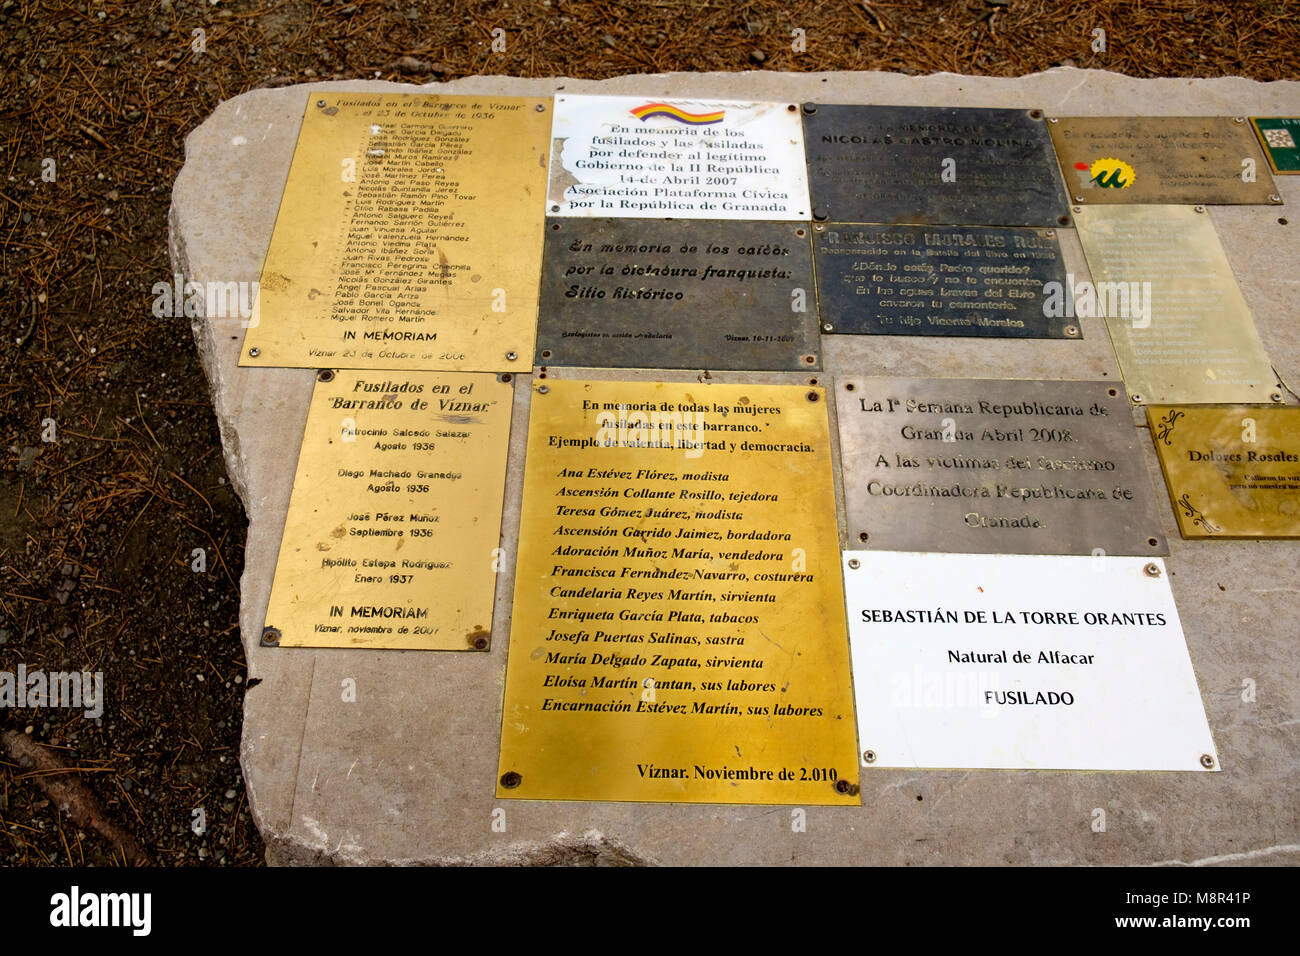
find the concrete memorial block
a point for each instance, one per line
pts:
(394, 524)
(1180, 326)
(651, 158)
(408, 236)
(1161, 159)
(648, 293)
(1232, 472)
(407, 771)
(1012, 661)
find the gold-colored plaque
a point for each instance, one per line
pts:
(678, 631)
(1232, 472)
(1161, 159)
(1178, 322)
(393, 529)
(409, 236)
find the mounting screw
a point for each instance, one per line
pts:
(541, 108)
(812, 396)
(868, 756)
(1078, 199)
(1071, 330)
(1239, 119)
(543, 389)
(854, 563)
(320, 102)
(1078, 208)
(818, 227)
(325, 375)
(843, 786)
(480, 643)
(792, 108)
(504, 377)
(809, 108)
(511, 356)
(1275, 396)
(863, 536)
(1049, 233)
(1198, 209)
(801, 233)
(546, 353)
(1053, 120)
(1207, 761)
(1152, 570)
(555, 208)
(1275, 198)
(1035, 114)
(270, 637)
(810, 360)
(510, 780)
(827, 327)
(1135, 398)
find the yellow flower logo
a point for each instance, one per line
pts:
(1111, 173)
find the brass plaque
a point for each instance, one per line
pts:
(1278, 135)
(653, 293)
(409, 236)
(392, 531)
(939, 280)
(1161, 159)
(932, 164)
(1232, 472)
(678, 632)
(1180, 327)
(986, 466)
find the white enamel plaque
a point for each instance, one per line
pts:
(650, 158)
(1011, 661)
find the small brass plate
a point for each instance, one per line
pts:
(678, 632)
(1180, 327)
(395, 514)
(1161, 159)
(1232, 472)
(409, 236)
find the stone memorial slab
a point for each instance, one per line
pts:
(646, 157)
(395, 518)
(1161, 159)
(650, 293)
(932, 165)
(984, 466)
(939, 280)
(678, 630)
(1232, 472)
(409, 236)
(1009, 661)
(1181, 329)
(1277, 134)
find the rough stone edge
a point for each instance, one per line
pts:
(591, 848)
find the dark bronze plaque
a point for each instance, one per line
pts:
(1162, 159)
(627, 293)
(931, 164)
(987, 466)
(939, 280)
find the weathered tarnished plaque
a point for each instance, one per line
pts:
(986, 466)
(1008, 661)
(649, 293)
(645, 157)
(1161, 159)
(395, 514)
(932, 165)
(939, 280)
(1278, 135)
(409, 236)
(1181, 329)
(1232, 472)
(678, 631)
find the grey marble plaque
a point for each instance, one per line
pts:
(932, 164)
(987, 466)
(638, 293)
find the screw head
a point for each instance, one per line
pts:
(254, 352)
(868, 756)
(511, 356)
(510, 780)
(810, 108)
(543, 389)
(1275, 396)
(320, 102)
(1198, 209)
(1207, 761)
(1275, 198)
(827, 327)
(1071, 330)
(1078, 199)
(541, 108)
(812, 396)
(270, 637)
(1152, 570)
(854, 563)
(1054, 120)
(325, 375)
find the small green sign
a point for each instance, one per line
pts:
(1280, 137)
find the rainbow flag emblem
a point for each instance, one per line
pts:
(649, 110)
